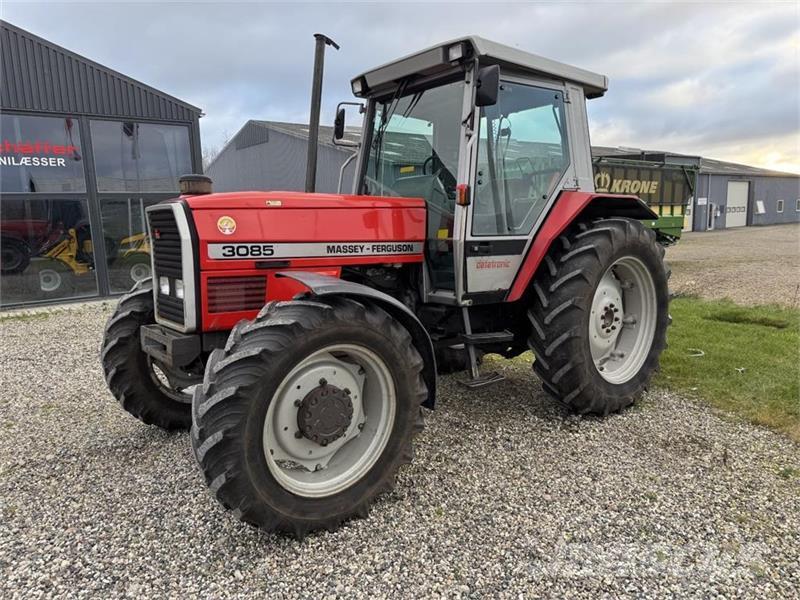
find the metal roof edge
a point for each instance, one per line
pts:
(10, 26)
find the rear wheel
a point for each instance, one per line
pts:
(599, 314)
(308, 413)
(148, 390)
(14, 256)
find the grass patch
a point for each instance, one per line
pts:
(749, 362)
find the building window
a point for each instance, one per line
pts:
(140, 157)
(47, 251)
(797, 205)
(40, 154)
(125, 232)
(780, 206)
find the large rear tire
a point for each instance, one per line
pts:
(599, 315)
(149, 391)
(308, 413)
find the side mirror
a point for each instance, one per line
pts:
(338, 124)
(488, 86)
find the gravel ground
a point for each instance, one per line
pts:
(508, 496)
(749, 265)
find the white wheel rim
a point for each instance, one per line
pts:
(306, 468)
(139, 271)
(622, 322)
(49, 280)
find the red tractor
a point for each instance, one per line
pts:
(298, 334)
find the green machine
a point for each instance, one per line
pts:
(665, 184)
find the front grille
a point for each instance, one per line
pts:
(166, 243)
(167, 261)
(231, 294)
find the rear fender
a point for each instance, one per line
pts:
(325, 285)
(570, 207)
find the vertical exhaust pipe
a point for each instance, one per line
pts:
(316, 102)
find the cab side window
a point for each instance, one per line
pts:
(522, 155)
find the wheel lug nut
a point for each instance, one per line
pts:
(323, 381)
(298, 434)
(347, 391)
(297, 403)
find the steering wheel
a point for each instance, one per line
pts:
(430, 160)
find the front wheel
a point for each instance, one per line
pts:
(308, 413)
(599, 314)
(148, 390)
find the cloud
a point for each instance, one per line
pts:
(719, 80)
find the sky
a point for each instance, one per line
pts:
(720, 80)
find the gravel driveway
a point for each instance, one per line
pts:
(507, 496)
(749, 265)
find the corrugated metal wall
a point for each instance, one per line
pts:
(277, 164)
(36, 75)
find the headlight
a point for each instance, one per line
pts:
(163, 285)
(179, 288)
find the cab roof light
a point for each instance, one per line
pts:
(455, 52)
(359, 86)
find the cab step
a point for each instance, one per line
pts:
(489, 337)
(476, 380)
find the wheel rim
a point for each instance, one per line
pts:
(49, 280)
(176, 385)
(317, 469)
(623, 318)
(139, 271)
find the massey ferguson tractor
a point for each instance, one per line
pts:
(298, 335)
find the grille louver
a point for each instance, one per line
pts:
(167, 260)
(232, 294)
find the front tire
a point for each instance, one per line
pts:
(599, 315)
(307, 414)
(149, 391)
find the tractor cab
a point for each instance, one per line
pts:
(488, 135)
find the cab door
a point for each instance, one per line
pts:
(521, 162)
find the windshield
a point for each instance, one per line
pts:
(414, 147)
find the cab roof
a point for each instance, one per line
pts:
(435, 59)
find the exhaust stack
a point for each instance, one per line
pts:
(316, 101)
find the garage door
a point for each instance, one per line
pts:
(736, 205)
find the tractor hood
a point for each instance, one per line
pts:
(239, 229)
(295, 200)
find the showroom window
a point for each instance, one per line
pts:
(47, 251)
(140, 157)
(40, 154)
(127, 243)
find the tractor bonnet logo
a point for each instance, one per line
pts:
(226, 225)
